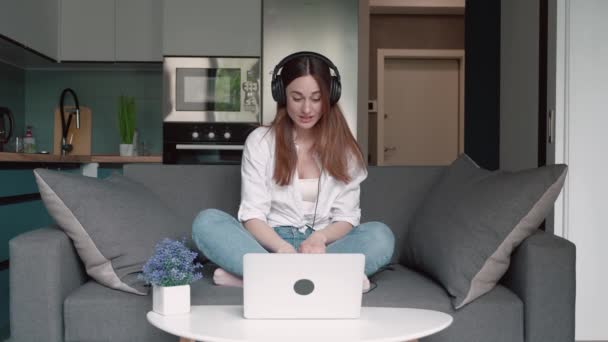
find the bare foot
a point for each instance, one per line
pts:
(366, 284)
(223, 278)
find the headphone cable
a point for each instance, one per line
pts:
(314, 218)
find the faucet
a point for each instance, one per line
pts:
(65, 147)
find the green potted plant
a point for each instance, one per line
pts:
(171, 270)
(126, 124)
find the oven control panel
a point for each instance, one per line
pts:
(204, 142)
(222, 133)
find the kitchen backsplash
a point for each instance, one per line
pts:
(12, 93)
(98, 90)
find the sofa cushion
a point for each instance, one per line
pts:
(108, 315)
(96, 313)
(114, 223)
(497, 317)
(472, 220)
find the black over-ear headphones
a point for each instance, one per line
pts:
(278, 89)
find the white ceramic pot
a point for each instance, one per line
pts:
(171, 300)
(126, 150)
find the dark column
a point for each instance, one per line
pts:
(482, 82)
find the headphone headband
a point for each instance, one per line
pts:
(284, 61)
(278, 89)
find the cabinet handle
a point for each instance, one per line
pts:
(551, 126)
(392, 148)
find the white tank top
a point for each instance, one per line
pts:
(309, 188)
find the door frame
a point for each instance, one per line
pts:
(559, 151)
(383, 54)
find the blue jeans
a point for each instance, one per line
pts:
(224, 241)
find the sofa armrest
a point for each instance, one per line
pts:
(44, 270)
(543, 274)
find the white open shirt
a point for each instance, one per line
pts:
(276, 205)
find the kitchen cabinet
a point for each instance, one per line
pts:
(109, 31)
(12, 15)
(43, 36)
(32, 23)
(212, 27)
(134, 30)
(87, 30)
(139, 30)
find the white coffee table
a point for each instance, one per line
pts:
(225, 323)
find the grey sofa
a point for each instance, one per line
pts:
(52, 298)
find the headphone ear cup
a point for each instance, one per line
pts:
(278, 93)
(281, 91)
(273, 89)
(335, 90)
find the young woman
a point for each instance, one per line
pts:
(300, 179)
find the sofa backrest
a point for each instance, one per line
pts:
(389, 194)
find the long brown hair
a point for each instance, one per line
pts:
(333, 141)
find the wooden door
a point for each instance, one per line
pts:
(421, 110)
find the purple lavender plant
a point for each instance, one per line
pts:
(172, 264)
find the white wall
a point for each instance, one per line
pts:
(363, 77)
(327, 27)
(582, 97)
(578, 66)
(519, 31)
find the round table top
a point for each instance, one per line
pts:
(225, 323)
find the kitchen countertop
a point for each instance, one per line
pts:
(51, 158)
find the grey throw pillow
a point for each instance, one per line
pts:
(471, 221)
(114, 223)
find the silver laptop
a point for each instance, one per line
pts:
(302, 286)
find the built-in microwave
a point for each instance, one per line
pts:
(210, 106)
(211, 89)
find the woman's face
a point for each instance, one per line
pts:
(304, 102)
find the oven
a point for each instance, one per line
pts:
(204, 142)
(210, 105)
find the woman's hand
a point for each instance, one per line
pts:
(286, 248)
(315, 244)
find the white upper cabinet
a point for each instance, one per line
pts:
(32, 23)
(12, 26)
(87, 30)
(44, 35)
(111, 30)
(139, 30)
(133, 30)
(212, 27)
